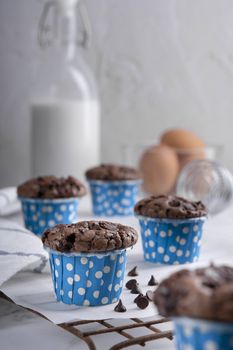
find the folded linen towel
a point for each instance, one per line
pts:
(9, 203)
(19, 249)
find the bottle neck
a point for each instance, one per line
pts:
(58, 28)
(66, 41)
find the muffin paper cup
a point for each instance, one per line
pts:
(40, 214)
(89, 279)
(167, 241)
(192, 334)
(114, 198)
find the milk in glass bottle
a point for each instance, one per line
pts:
(64, 108)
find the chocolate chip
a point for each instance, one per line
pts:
(136, 290)
(174, 203)
(138, 296)
(120, 307)
(150, 295)
(142, 302)
(131, 284)
(153, 281)
(133, 272)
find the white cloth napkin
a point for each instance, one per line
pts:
(9, 204)
(19, 249)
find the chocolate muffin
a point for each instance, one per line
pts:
(88, 261)
(170, 207)
(89, 236)
(205, 293)
(114, 189)
(49, 200)
(171, 228)
(112, 172)
(51, 187)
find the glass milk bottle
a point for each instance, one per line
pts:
(65, 117)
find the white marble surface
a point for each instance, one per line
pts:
(21, 329)
(35, 291)
(158, 63)
(217, 247)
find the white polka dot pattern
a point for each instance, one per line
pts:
(119, 272)
(203, 335)
(70, 280)
(89, 284)
(114, 199)
(98, 274)
(69, 267)
(45, 213)
(81, 291)
(163, 234)
(104, 300)
(166, 242)
(96, 294)
(106, 269)
(84, 261)
(76, 277)
(88, 280)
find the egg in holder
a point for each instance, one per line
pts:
(114, 198)
(203, 335)
(171, 241)
(40, 214)
(89, 279)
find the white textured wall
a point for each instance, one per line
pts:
(159, 64)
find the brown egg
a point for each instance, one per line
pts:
(159, 167)
(187, 144)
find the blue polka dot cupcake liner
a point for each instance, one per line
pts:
(192, 334)
(40, 214)
(171, 241)
(114, 198)
(89, 279)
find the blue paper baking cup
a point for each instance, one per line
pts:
(171, 241)
(114, 198)
(192, 334)
(40, 214)
(89, 279)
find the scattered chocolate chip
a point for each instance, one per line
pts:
(133, 272)
(136, 290)
(120, 307)
(153, 281)
(138, 296)
(149, 295)
(131, 284)
(142, 302)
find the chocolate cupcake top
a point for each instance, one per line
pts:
(89, 236)
(112, 172)
(170, 207)
(50, 187)
(205, 293)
